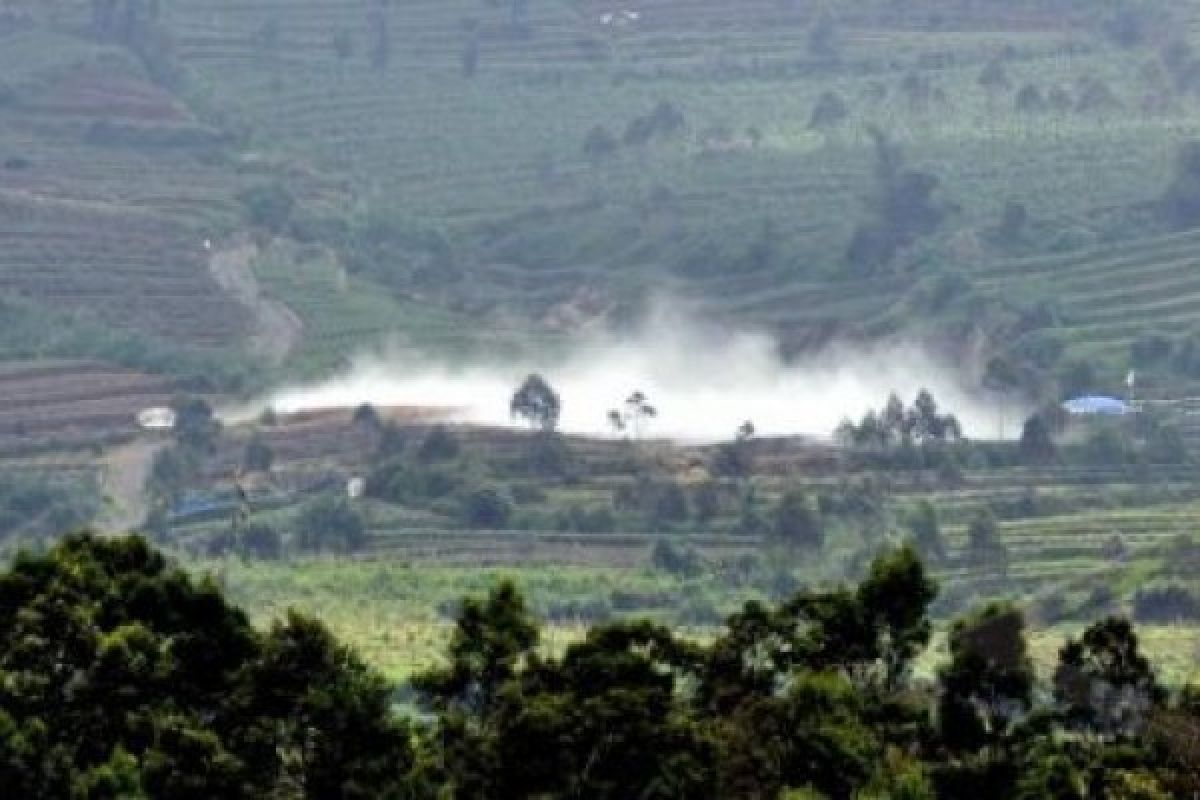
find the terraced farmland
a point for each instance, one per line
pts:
(73, 405)
(496, 159)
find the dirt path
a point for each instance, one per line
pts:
(126, 469)
(277, 329)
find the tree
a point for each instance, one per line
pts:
(1095, 95)
(330, 523)
(994, 79)
(901, 210)
(984, 548)
(485, 508)
(1103, 683)
(814, 736)
(196, 427)
(637, 411)
(258, 455)
(599, 143)
(1013, 222)
(1037, 445)
(261, 541)
(268, 206)
(1059, 100)
(706, 501)
(830, 111)
(668, 504)
(1180, 203)
(605, 721)
(470, 64)
(537, 403)
(922, 520)
(895, 598)
(121, 676)
(493, 639)
(823, 43)
(343, 48)
(1029, 100)
(797, 523)
(379, 24)
(439, 445)
(736, 459)
(987, 687)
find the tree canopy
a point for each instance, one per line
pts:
(123, 676)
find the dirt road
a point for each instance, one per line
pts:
(277, 329)
(126, 469)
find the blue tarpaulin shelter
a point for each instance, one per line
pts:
(1097, 404)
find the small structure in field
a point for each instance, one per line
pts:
(159, 418)
(1097, 405)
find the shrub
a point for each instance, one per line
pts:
(258, 455)
(268, 206)
(796, 523)
(330, 524)
(486, 508)
(438, 445)
(1165, 604)
(675, 560)
(599, 143)
(669, 505)
(261, 541)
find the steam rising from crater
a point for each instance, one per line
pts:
(704, 383)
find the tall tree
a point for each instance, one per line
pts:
(987, 687)
(119, 673)
(537, 403)
(1104, 683)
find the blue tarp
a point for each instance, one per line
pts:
(1096, 404)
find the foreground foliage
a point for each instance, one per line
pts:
(120, 676)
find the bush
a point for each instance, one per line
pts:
(984, 549)
(258, 456)
(268, 206)
(1150, 348)
(669, 505)
(598, 519)
(796, 523)
(706, 501)
(1165, 605)
(261, 541)
(330, 524)
(438, 445)
(486, 508)
(676, 561)
(599, 143)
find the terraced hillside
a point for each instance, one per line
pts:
(438, 153)
(73, 404)
(106, 201)
(471, 122)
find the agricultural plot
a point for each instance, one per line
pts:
(73, 405)
(744, 215)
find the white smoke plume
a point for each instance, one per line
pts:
(703, 382)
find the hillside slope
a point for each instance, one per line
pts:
(533, 157)
(538, 167)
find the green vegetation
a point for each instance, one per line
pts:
(38, 508)
(221, 195)
(125, 678)
(122, 676)
(816, 173)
